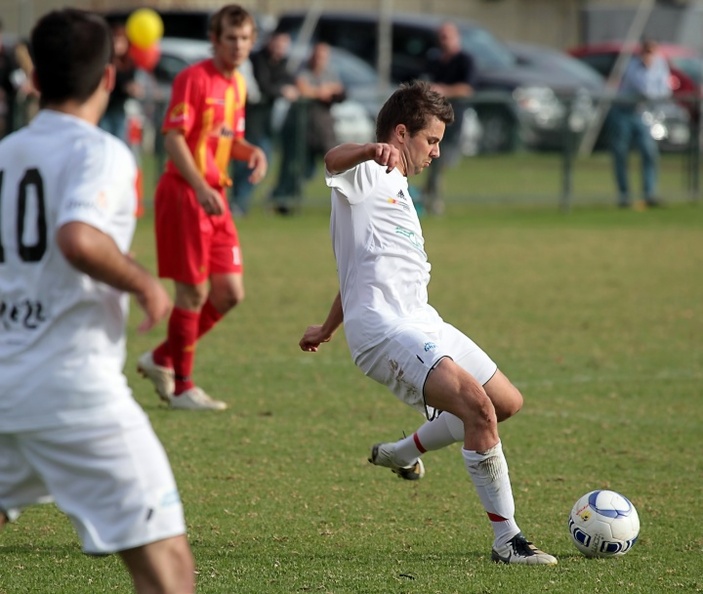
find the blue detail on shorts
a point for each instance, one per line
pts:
(171, 498)
(430, 346)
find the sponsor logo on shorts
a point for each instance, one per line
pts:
(430, 346)
(170, 498)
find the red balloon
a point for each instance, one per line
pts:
(145, 58)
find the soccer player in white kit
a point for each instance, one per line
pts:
(394, 335)
(70, 430)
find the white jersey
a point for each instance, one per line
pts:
(62, 339)
(381, 261)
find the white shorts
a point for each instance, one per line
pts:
(403, 361)
(111, 477)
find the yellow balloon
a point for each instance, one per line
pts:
(144, 27)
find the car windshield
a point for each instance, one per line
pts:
(352, 70)
(486, 50)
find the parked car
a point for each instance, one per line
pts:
(568, 102)
(501, 74)
(670, 121)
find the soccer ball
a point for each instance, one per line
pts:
(604, 524)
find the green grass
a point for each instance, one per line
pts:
(595, 315)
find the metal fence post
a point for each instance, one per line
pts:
(567, 184)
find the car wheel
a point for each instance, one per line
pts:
(499, 130)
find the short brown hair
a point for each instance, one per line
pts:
(231, 15)
(412, 104)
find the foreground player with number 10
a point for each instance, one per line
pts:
(394, 335)
(70, 429)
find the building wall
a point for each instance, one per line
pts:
(556, 23)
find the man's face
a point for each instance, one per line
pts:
(279, 46)
(419, 150)
(647, 54)
(233, 46)
(448, 38)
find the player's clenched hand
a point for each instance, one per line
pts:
(210, 199)
(387, 155)
(155, 302)
(258, 165)
(313, 338)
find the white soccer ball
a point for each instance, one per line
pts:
(604, 524)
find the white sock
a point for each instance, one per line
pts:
(445, 430)
(489, 472)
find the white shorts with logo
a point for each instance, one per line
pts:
(403, 361)
(110, 476)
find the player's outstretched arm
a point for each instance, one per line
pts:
(348, 155)
(96, 254)
(314, 336)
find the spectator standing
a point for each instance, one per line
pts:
(308, 131)
(394, 335)
(196, 239)
(270, 72)
(646, 80)
(70, 430)
(114, 119)
(451, 73)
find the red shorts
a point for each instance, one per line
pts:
(190, 244)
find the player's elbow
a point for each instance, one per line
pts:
(73, 242)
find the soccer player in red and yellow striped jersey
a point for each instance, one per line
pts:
(196, 239)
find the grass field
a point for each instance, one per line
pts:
(595, 315)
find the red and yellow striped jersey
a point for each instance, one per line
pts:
(209, 109)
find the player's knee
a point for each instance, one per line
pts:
(477, 411)
(510, 405)
(232, 298)
(226, 298)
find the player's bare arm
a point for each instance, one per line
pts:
(348, 155)
(96, 254)
(177, 149)
(315, 335)
(254, 156)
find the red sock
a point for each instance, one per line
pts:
(209, 316)
(182, 338)
(162, 354)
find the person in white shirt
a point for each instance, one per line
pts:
(646, 80)
(394, 335)
(70, 430)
